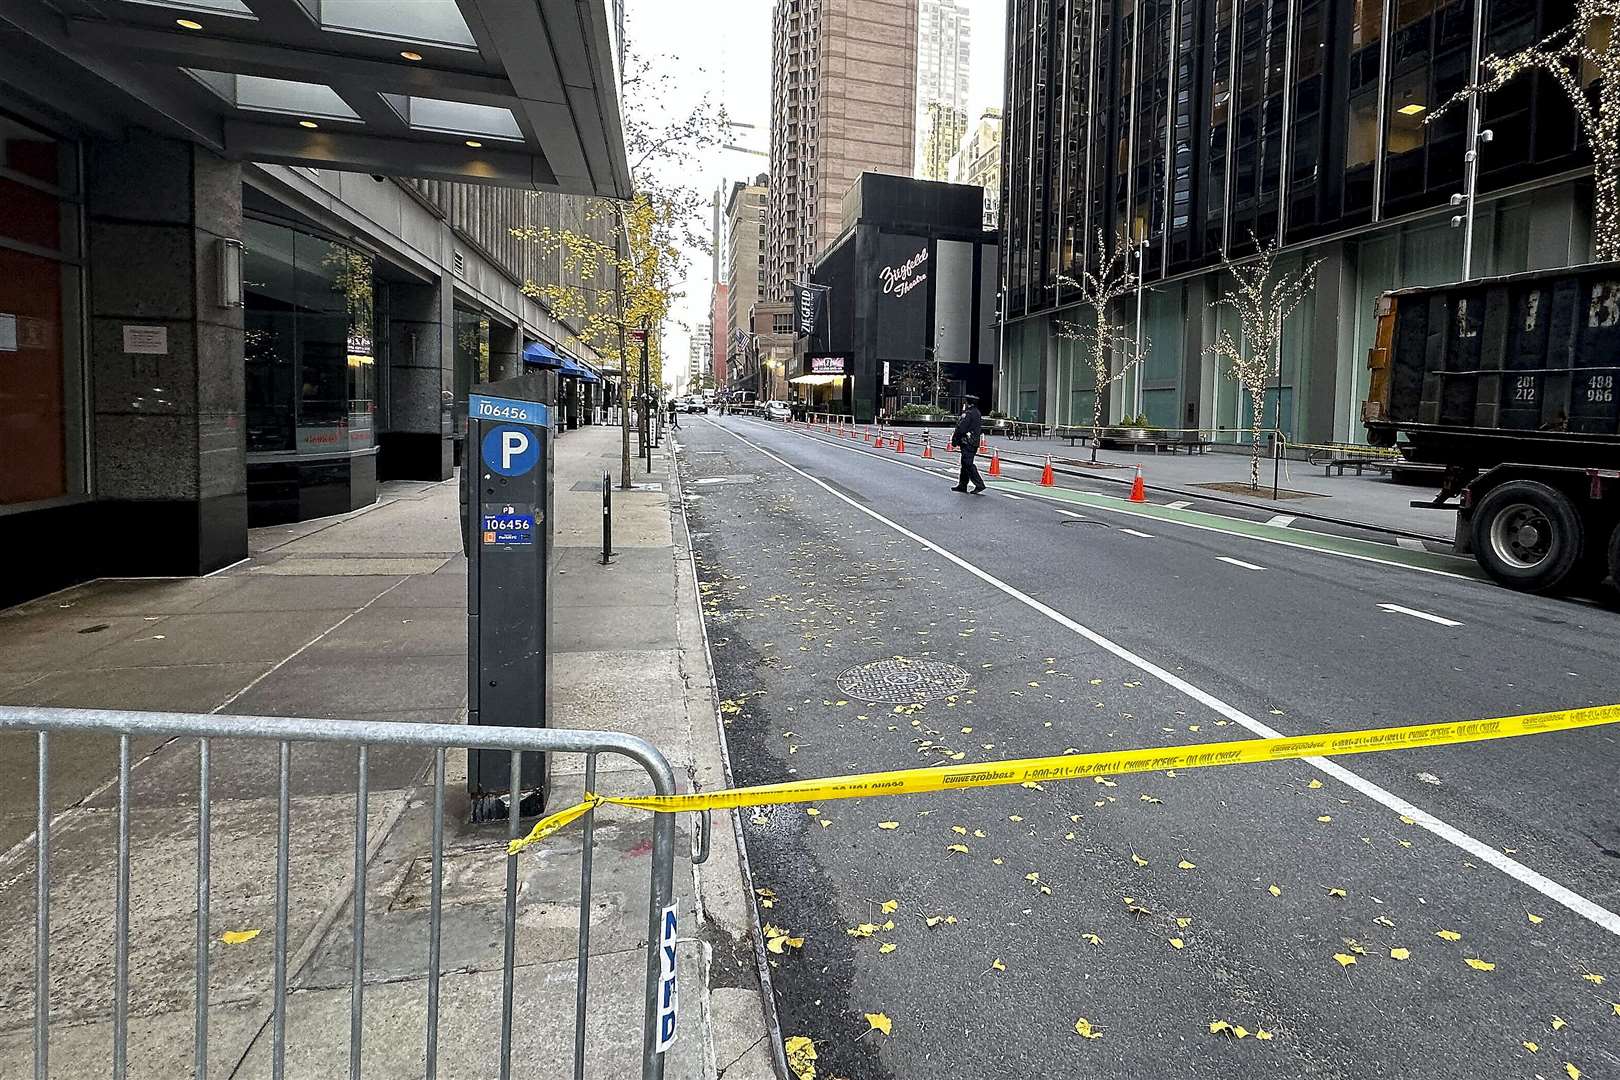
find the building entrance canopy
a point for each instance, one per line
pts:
(515, 94)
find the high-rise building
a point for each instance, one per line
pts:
(1199, 126)
(719, 307)
(942, 129)
(746, 211)
(843, 102)
(697, 367)
(943, 48)
(978, 162)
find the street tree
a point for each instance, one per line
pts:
(623, 271)
(1263, 298)
(1111, 350)
(1587, 44)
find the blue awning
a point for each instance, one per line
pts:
(541, 355)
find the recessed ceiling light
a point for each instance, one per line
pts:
(188, 24)
(474, 143)
(312, 125)
(407, 54)
(1412, 109)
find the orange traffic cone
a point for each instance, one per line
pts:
(928, 449)
(995, 463)
(900, 442)
(879, 444)
(1046, 473)
(1138, 489)
(866, 436)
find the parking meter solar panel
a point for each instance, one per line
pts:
(506, 532)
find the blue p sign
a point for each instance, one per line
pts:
(510, 450)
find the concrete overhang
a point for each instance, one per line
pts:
(517, 93)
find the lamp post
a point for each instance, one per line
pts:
(1476, 139)
(1136, 380)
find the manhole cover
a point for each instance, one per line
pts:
(904, 681)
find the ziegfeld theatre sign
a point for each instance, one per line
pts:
(899, 280)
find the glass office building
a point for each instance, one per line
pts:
(1196, 127)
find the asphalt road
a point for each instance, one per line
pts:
(1160, 904)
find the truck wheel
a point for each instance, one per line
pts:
(1527, 536)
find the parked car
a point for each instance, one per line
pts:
(777, 410)
(692, 403)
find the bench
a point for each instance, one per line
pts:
(1331, 458)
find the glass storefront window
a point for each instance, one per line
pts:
(41, 385)
(308, 343)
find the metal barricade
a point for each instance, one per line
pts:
(362, 735)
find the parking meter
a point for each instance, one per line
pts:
(506, 532)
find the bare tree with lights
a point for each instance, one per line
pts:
(1098, 290)
(1587, 41)
(1263, 300)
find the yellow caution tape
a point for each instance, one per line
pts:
(1032, 771)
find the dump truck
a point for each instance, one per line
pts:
(1512, 385)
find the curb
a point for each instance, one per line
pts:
(772, 1023)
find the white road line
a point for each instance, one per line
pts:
(1071, 513)
(1010, 495)
(1179, 504)
(1138, 532)
(1239, 562)
(1281, 521)
(1409, 543)
(1485, 853)
(1416, 614)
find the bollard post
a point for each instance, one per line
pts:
(607, 518)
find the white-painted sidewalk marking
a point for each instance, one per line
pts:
(1416, 614)
(1485, 853)
(1281, 521)
(1138, 532)
(1239, 562)
(1179, 504)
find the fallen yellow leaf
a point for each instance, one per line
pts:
(1399, 954)
(889, 905)
(1448, 935)
(1175, 943)
(1574, 1073)
(1262, 1034)
(1185, 865)
(237, 937)
(1095, 940)
(997, 965)
(1557, 1022)
(1137, 859)
(1479, 965)
(1183, 923)
(888, 824)
(1240, 1031)
(1314, 784)
(962, 848)
(879, 1022)
(1534, 919)
(1274, 891)
(1344, 959)
(866, 929)
(801, 1057)
(1530, 1046)
(1616, 1006)
(887, 947)
(1593, 977)
(1336, 892)
(959, 830)
(813, 812)
(1083, 1028)
(1324, 819)
(1218, 1026)
(782, 942)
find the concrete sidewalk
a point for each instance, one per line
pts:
(363, 617)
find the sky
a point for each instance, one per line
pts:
(722, 48)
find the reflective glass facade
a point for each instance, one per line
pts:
(311, 364)
(1197, 127)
